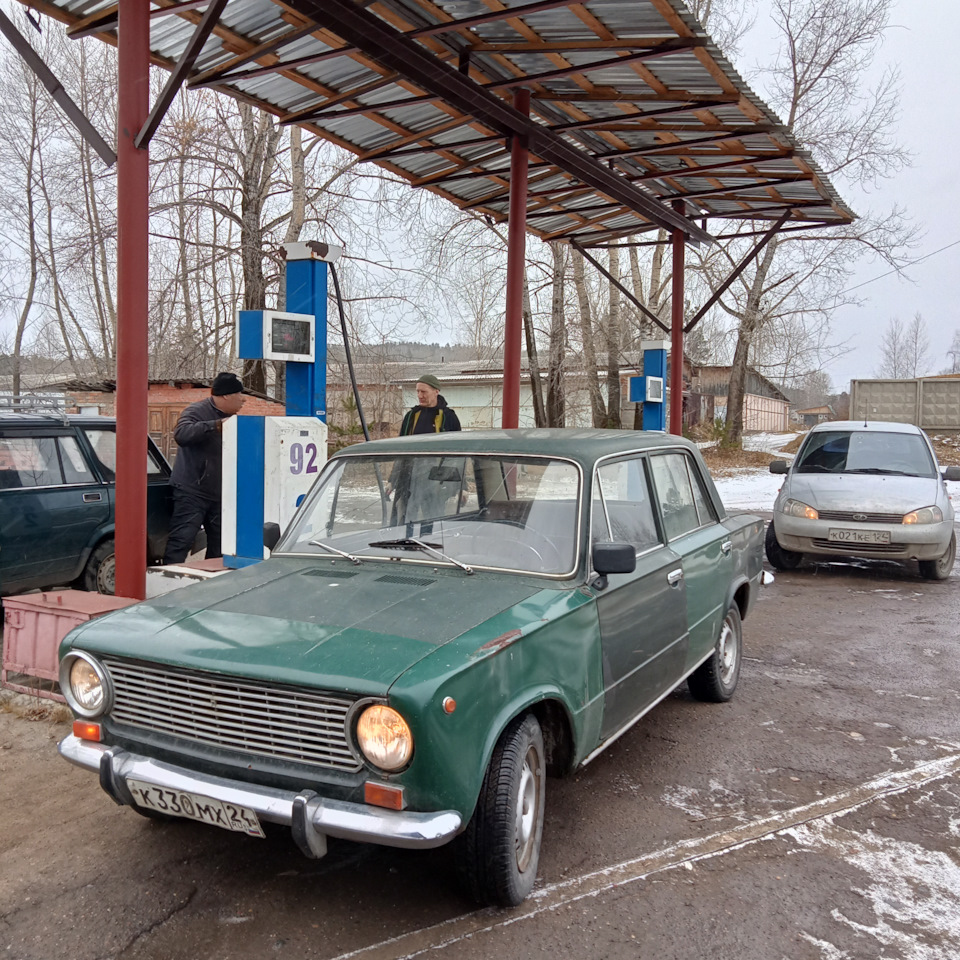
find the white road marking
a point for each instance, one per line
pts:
(682, 854)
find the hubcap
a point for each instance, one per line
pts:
(528, 805)
(728, 653)
(106, 575)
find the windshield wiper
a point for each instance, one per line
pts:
(428, 547)
(339, 553)
(883, 470)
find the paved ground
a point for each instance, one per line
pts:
(815, 817)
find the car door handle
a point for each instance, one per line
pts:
(92, 497)
(726, 546)
(674, 577)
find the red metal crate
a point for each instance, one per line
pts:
(35, 623)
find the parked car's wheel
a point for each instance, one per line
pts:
(779, 557)
(716, 679)
(940, 568)
(100, 572)
(500, 849)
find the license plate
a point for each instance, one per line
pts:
(193, 806)
(858, 536)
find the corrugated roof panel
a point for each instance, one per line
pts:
(683, 127)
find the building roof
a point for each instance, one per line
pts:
(633, 107)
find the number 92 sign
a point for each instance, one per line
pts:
(303, 458)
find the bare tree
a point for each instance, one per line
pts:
(954, 353)
(904, 349)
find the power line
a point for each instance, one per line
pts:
(909, 263)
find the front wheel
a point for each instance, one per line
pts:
(715, 680)
(940, 568)
(779, 557)
(100, 572)
(500, 848)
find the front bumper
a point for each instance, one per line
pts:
(907, 542)
(311, 818)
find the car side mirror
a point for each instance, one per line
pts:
(778, 466)
(951, 473)
(271, 535)
(612, 558)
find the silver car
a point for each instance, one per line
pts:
(864, 489)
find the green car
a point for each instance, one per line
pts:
(448, 619)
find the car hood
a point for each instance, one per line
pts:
(307, 622)
(868, 493)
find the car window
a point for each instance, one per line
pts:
(675, 493)
(704, 508)
(623, 510)
(75, 467)
(104, 443)
(863, 451)
(29, 462)
(515, 513)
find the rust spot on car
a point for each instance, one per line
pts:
(504, 640)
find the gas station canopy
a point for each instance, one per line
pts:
(636, 121)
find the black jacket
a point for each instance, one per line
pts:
(199, 464)
(438, 419)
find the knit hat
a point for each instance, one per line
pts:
(224, 383)
(430, 380)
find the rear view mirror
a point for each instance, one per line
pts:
(444, 474)
(778, 466)
(951, 473)
(271, 535)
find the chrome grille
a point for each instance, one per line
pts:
(284, 723)
(860, 516)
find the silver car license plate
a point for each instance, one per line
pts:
(193, 806)
(858, 536)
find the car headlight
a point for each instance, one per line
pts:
(384, 737)
(797, 508)
(84, 684)
(924, 515)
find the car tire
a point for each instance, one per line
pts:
(940, 568)
(99, 574)
(500, 849)
(779, 557)
(715, 680)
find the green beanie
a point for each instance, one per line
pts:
(430, 380)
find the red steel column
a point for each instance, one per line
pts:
(516, 264)
(132, 271)
(676, 333)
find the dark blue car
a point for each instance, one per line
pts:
(57, 476)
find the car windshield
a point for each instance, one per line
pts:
(869, 452)
(508, 513)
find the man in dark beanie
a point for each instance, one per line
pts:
(197, 471)
(431, 414)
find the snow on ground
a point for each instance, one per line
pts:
(748, 489)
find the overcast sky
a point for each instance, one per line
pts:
(922, 40)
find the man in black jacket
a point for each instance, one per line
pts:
(197, 471)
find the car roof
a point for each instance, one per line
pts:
(585, 446)
(878, 426)
(48, 418)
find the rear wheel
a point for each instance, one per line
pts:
(940, 568)
(100, 572)
(779, 557)
(500, 849)
(715, 680)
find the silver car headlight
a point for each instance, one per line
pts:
(797, 508)
(384, 737)
(924, 515)
(85, 684)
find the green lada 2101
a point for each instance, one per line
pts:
(447, 619)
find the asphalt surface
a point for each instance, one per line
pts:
(814, 817)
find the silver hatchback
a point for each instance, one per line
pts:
(864, 489)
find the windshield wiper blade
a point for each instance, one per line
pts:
(339, 553)
(428, 547)
(882, 470)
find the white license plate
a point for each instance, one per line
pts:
(193, 806)
(858, 536)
